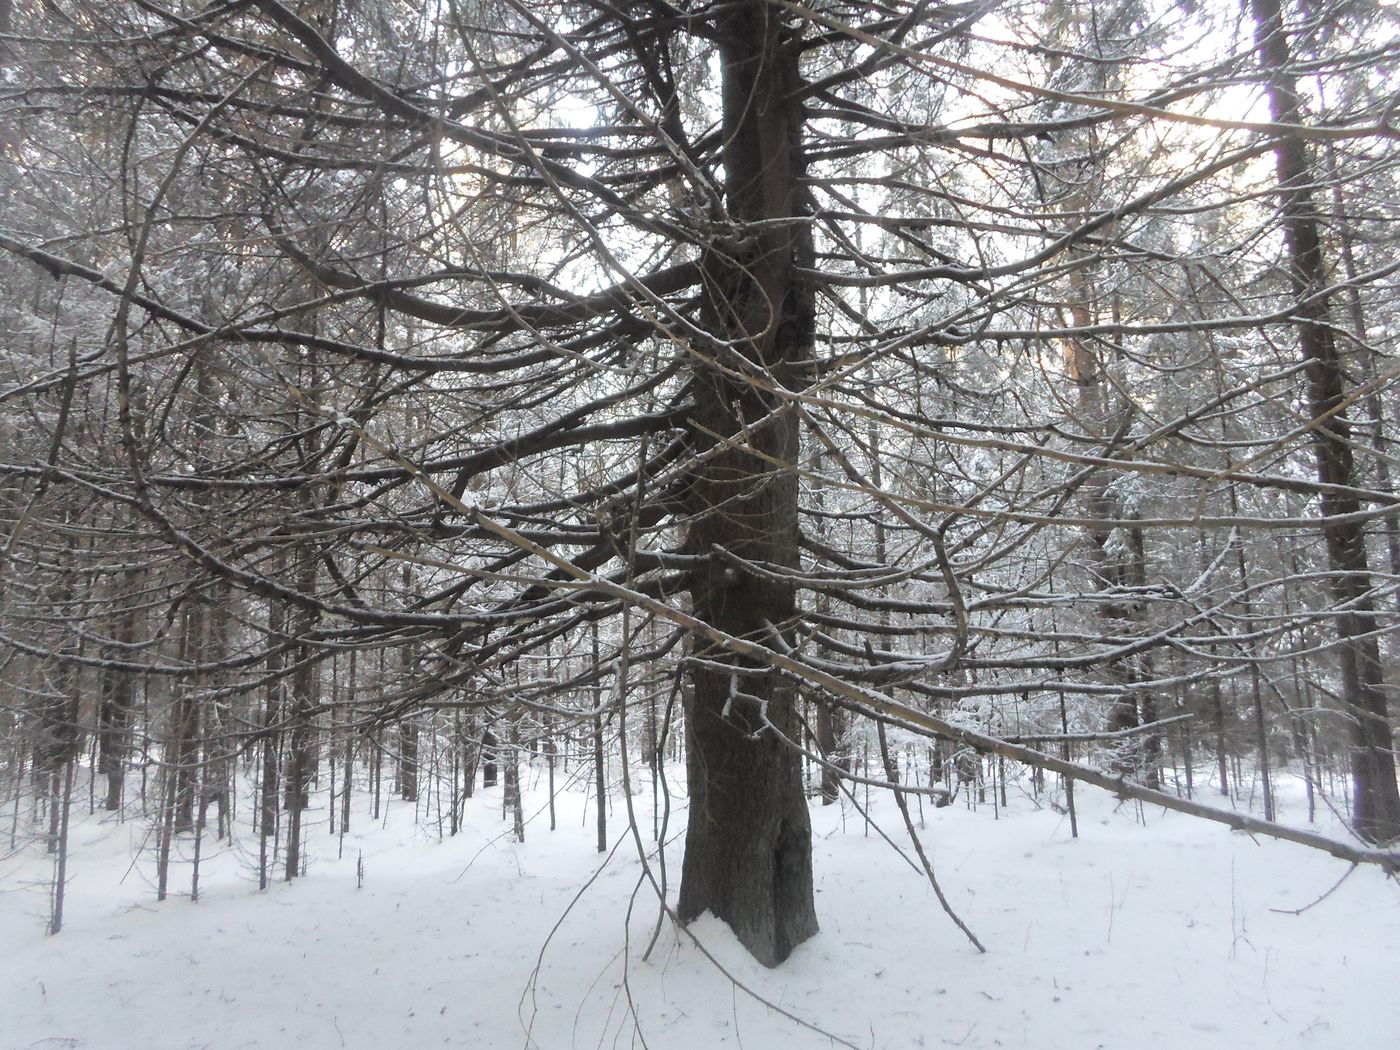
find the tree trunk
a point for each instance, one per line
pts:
(271, 736)
(182, 751)
(514, 800)
(118, 694)
(1118, 555)
(600, 779)
(748, 854)
(488, 759)
(407, 759)
(828, 736)
(1375, 799)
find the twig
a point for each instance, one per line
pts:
(892, 773)
(1335, 886)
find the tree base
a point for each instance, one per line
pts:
(748, 847)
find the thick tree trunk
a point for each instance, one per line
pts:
(1375, 799)
(748, 856)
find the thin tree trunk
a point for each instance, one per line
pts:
(1261, 734)
(118, 694)
(514, 797)
(302, 756)
(271, 735)
(183, 749)
(60, 877)
(348, 765)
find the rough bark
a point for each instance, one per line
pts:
(1375, 799)
(748, 856)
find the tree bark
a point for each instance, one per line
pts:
(118, 695)
(1375, 799)
(748, 855)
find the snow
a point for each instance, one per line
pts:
(1150, 931)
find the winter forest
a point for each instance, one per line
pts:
(697, 523)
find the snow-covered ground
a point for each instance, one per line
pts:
(1150, 931)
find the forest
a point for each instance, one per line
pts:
(948, 404)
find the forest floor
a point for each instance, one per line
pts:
(1151, 930)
